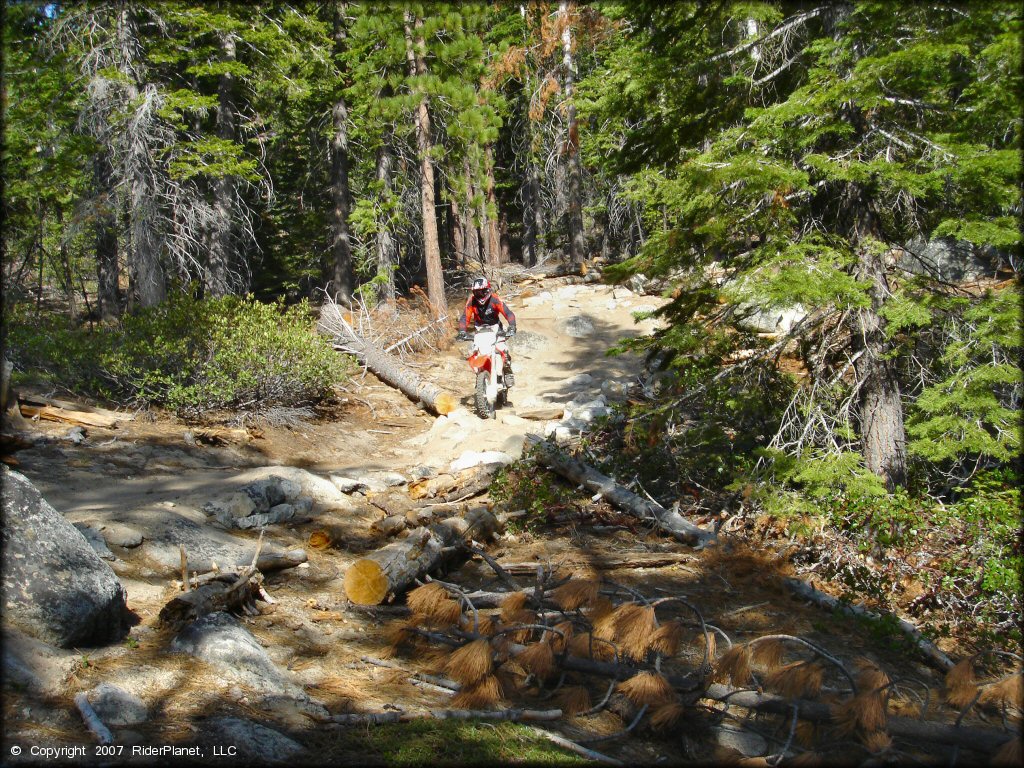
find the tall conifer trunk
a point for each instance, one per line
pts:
(220, 255)
(387, 249)
(415, 54)
(574, 176)
(340, 276)
(879, 406)
(472, 238)
(107, 271)
(493, 239)
(145, 273)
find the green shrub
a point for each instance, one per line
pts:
(191, 356)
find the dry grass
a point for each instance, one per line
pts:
(1006, 692)
(485, 692)
(425, 599)
(734, 665)
(667, 638)
(647, 688)
(667, 716)
(538, 659)
(862, 713)
(575, 594)
(511, 605)
(768, 655)
(961, 685)
(573, 699)
(877, 741)
(470, 662)
(1010, 755)
(800, 679)
(561, 638)
(635, 629)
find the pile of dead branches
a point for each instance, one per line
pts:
(588, 645)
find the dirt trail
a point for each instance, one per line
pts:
(154, 475)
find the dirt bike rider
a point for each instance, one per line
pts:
(483, 307)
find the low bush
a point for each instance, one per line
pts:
(192, 356)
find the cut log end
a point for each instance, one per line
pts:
(365, 583)
(445, 403)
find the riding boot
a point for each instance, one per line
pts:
(508, 375)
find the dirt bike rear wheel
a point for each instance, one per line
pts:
(484, 409)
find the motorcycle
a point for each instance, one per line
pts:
(487, 359)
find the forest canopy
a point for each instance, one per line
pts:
(829, 193)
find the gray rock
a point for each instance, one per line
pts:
(76, 435)
(576, 326)
(55, 586)
(277, 514)
(35, 666)
(219, 639)
(747, 743)
(253, 741)
(474, 458)
(204, 545)
(422, 472)
(615, 390)
(948, 259)
(96, 540)
(347, 484)
(391, 479)
(118, 535)
(265, 493)
(116, 706)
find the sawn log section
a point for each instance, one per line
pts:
(392, 568)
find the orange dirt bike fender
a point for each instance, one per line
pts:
(479, 362)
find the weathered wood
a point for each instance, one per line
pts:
(607, 562)
(226, 593)
(463, 484)
(391, 569)
(279, 561)
(512, 715)
(928, 649)
(390, 525)
(621, 498)
(92, 720)
(387, 368)
(78, 418)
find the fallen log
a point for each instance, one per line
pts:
(511, 715)
(621, 498)
(64, 416)
(927, 648)
(92, 720)
(386, 367)
(463, 484)
(605, 562)
(392, 568)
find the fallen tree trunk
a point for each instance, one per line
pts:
(463, 484)
(621, 498)
(393, 568)
(928, 649)
(386, 367)
(606, 562)
(62, 415)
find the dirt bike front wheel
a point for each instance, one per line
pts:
(484, 409)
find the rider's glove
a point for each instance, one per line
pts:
(510, 332)
(462, 336)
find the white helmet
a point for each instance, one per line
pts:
(481, 290)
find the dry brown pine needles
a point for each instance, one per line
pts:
(470, 662)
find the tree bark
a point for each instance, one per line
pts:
(391, 569)
(449, 486)
(341, 277)
(415, 54)
(491, 210)
(220, 256)
(387, 248)
(107, 270)
(574, 212)
(472, 237)
(667, 520)
(388, 368)
(880, 407)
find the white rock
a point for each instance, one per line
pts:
(474, 458)
(621, 292)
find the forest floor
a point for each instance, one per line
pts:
(154, 467)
